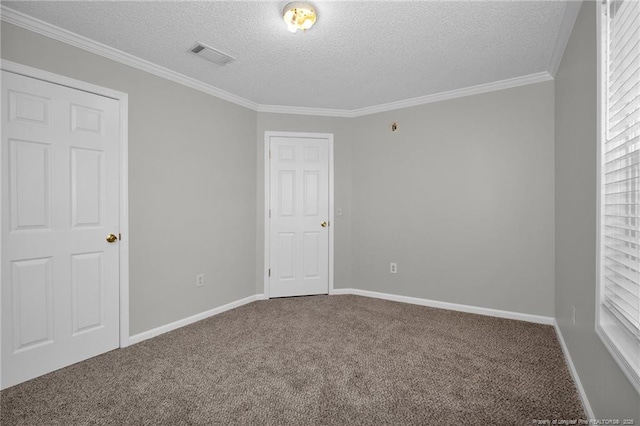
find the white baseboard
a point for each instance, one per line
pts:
(338, 291)
(190, 320)
(574, 373)
(538, 319)
(490, 312)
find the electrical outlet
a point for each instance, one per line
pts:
(393, 268)
(200, 280)
(573, 314)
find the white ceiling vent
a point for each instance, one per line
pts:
(211, 54)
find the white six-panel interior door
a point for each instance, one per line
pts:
(299, 214)
(60, 177)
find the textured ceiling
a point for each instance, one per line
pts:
(359, 54)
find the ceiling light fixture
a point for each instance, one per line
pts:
(299, 15)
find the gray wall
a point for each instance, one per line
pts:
(608, 390)
(436, 187)
(192, 189)
(342, 140)
(461, 197)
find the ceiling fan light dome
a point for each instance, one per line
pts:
(300, 15)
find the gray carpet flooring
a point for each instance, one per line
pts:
(345, 360)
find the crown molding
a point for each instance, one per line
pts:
(323, 112)
(457, 93)
(421, 100)
(569, 17)
(41, 27)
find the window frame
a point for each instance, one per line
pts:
(616, 340)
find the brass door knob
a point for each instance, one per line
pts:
(112, 238)
(323, 224)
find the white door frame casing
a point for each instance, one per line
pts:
(123, 100)
(267, 196)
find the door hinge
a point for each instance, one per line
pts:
(269, 212)
(269, 271)
(269, 154)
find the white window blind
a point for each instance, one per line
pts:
(620, 181)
